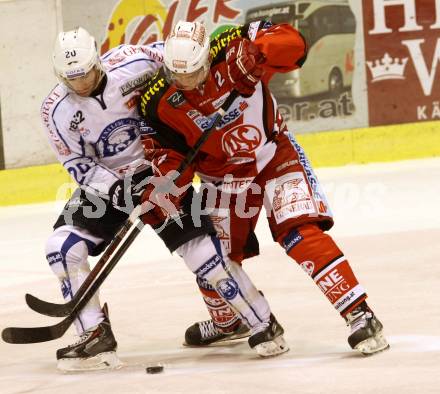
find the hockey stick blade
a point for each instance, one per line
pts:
(22, 335)
(50, 308)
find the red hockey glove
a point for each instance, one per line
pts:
(162, 198)
(165, 190)
(244, 61)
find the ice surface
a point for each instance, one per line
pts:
(387, 223)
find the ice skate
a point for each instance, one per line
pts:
(366, 331)
(269, 342)
(95, 350)
(205, 333)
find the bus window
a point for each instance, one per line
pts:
(348, 20)
(275, 19)
(326, 21)
(306, 31)
(302, 7)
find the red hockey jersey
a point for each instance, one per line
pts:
(243, 142)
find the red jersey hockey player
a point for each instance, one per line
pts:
(250, 160)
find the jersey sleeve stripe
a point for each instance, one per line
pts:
(110, 52)
(133, 61)
(53, 119)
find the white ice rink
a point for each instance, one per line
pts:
(387, 223)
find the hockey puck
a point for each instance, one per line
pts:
(155, 369)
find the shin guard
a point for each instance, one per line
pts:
(323, 261)
(205, 257)
(221, 313)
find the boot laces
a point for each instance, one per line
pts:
(208, 329)
(84, 336)
(358, 319)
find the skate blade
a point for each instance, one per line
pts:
(219, 341)
(106, 360)
(373, 345)
(272, 348)
(227, 338)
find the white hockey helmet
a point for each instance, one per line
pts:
(75, 54)
(186, 54)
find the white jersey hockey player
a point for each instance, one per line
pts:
(92, 124)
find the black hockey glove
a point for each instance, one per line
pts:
(126, 194)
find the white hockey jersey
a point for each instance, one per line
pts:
(97, 138)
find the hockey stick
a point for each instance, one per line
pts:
(42, 334)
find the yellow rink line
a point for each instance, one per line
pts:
(325, 149)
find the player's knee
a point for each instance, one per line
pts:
(216, 271)
(65, 254)
(197, 251)
(205, 257)
(54, 256)
(223, 285)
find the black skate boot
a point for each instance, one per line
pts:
(366, 331)
(269, 342)
(205, 333)
(96, 349)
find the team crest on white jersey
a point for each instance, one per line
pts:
(117, 136)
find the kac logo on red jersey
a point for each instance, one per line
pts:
(243, 139)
